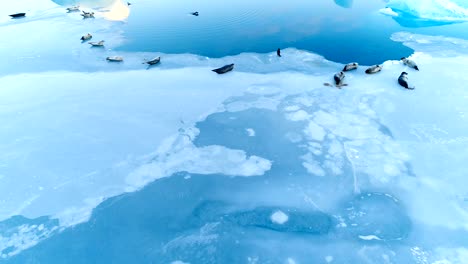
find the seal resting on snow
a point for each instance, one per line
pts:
(153, 61)
(88, 14)
(403, 81)
(97, 44)
(338, 78)
(115, 58)
(278, 52)
(410, 63)
(86, 37)
(17, 15)
(224, 69)
(373, 69)
(350, 66)
(73, 9)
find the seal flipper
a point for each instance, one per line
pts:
(416, 68)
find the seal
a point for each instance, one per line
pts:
(153, 61)
(97, 44)
(86, 37)
(373, 69)
(73, 9)
(339, 77)
(278, 52)
(17, 15)
(224, 69)
(403, 81)
(114, 58)
(195, 13)
(410, 63)
(87, 14)
(350, 66)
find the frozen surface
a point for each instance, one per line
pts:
(175, 164)
(437, 10)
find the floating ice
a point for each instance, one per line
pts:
(430, 10)
(388, 11)
(369, 237)
(250, 132)
(279, 217)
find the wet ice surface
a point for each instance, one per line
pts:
(261, 165)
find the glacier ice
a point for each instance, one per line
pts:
(427, 12)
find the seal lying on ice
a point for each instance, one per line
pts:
(403, 81)
(224, 69)
(410, 63)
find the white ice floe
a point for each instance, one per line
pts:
(314, 132)
(300, 115)
(369, 237)
(179, 262)
(279, 217)
(250, 132)
(388, 11)
(179, 154)
(437, 10)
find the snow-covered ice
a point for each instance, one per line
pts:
(75, 133)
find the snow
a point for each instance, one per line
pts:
(279, 217)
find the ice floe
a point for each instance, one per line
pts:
(437, 10)
(391, 161)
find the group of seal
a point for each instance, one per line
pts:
(88, 36)
(402, 79)
(339, 77)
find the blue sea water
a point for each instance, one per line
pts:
(334, 29)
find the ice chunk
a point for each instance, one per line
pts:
(250, 132)
(437, 10)
(279, 217)
(19, 233)
(314, 131)
(388, 11)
